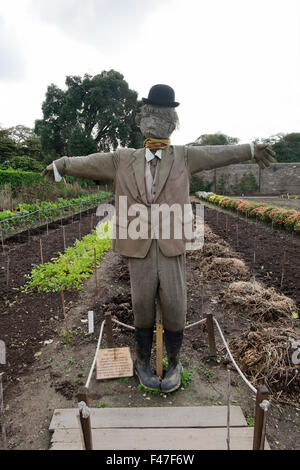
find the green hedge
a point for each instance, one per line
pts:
(17, 178)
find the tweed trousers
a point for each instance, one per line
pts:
(158, 281)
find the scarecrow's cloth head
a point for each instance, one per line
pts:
(157, 121)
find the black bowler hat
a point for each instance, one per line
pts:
(161, 95)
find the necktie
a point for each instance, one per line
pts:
(153, 164)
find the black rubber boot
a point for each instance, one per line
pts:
(143, 346)
(172, 378)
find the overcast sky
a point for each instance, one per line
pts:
(234, 64)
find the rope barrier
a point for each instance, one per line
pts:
(222, 337)
(95, 358)
(123, 324)
(265, 405)
(196, 323)
(232, 358)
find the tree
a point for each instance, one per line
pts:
(92, 114)
(215, 139)
(286, 146)
(25, 141)
(7, 149)
(23, 163)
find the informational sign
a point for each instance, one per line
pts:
(114, 363)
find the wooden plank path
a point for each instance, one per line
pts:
(156, 428)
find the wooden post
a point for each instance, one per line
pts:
(159, 349)
(260, 422)
(65, 313)
(159, 341)
(7, 274)
(211, 334)
(2, 239)
(228, 405)
(237, 235)
(82, 396)
(202, 300)
(2, 417)
(108, 330)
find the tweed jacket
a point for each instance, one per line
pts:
(126, 167)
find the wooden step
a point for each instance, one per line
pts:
(152, 417)
(158, 439)
(154, 428)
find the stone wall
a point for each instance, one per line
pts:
(250, 179)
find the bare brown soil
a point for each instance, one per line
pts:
(43, 371)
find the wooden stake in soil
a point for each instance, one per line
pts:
(237, 235)
(95, 265)
(159, 349)
(108, 330)
(85, 419)
(2, 239)
(92, 221)
(65, 313)
(260, 419)
(64, 238)
(2, 417)
(282, 269)
(41, 250)
(228, 405)
(7, 274)
(211, 334)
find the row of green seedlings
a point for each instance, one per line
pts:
(46, 219)
(41, 244)
(45, 211)
(73, 267)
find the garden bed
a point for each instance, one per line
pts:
(44, 371)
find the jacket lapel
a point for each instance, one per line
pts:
(164, 170)
(139, 172)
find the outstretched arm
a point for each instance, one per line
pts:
(97, 166)
(214, 156)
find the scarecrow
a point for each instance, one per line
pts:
(157, 175)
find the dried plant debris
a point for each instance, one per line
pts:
(224, 269)
(270, 356)
(256, 301)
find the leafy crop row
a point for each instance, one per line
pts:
(289, 219)
(28, 215)
(71, 268)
